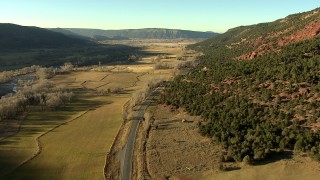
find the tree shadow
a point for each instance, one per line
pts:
(233, 168)
(164, 128)
(45, 171)
(170, 122)
(274, 157)
(39, 122)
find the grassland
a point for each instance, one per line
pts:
(77, 150)
(19, 148)
(75, 139)
(72, 142)
(295, 168)
(176, 150)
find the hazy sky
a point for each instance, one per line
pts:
(202, 15)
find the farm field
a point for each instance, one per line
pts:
(72, 142)
(72, 131)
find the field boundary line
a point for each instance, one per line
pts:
(104, 77)
(39, 142)
(16, 132)
(102, 85)
(82, 84)
(138, 78)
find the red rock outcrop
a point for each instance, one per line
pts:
(308, 32)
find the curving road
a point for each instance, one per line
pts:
(126, 162)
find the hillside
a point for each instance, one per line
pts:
(151, 33)
(69, 33)
(19, 37)
(257, 88)
(104, 38)
(94, 37)
(251, 41)
(23, 46)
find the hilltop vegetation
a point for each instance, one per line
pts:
(257, 88)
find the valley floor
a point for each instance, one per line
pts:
(73, 142)
(295, 168)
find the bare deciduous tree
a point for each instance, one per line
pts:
(134, 57)
(67, 67)
(42, 93)
(45, 73)
(162, 65)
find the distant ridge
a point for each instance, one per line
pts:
(69, 33)
(148, 33)
(19, 37)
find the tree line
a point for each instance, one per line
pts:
(40, 93)
(255, 108)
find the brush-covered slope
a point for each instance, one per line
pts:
(263, 106)
(21, 37)
(150, 33)
(247, 42)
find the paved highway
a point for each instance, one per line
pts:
(126, 162)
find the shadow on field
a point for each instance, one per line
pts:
(274, 157)
(38, 122)
(25, 172)
(90, 54)
(60, 115)
(232, 168)
(143, 54)
(16, 148)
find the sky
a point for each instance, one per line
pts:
(197, 15)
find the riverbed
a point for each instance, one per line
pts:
(12, 86)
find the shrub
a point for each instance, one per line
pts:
(247, 159)
(162, 65)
